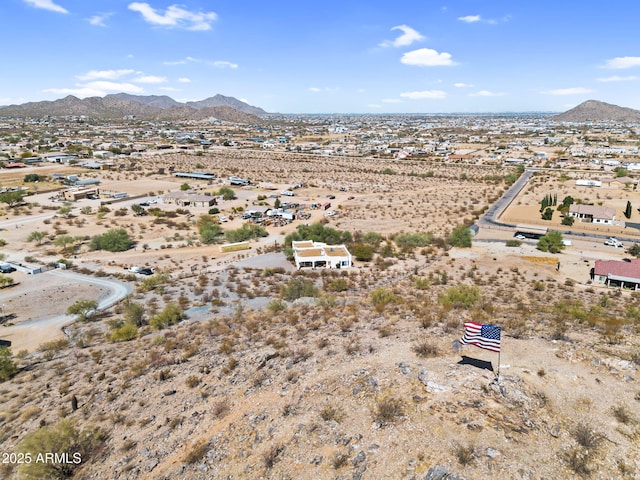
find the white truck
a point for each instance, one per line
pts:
(613, 242)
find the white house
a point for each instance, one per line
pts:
(307, 253)
(593, 213)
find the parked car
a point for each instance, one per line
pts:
(146, 271)
(520, 237)
(6, 268)
(224, 219)
(613, 242)
(351, 197)
(332, 197)
(330, 213)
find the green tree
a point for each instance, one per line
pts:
(548, 214)
(31, 177)
(36, 236)
(11, 198)
(83, 309)
(248, 231)
(208, 229)
(7, 368)
(362, 251)
(627, 211)
(133, 312)
(551, 242)
(138, 209)
(114, 240)
(184, 187)
(460, 237)
(65, 242)
(277, 203)
(568, 220)
(227, 193)
(634, 250)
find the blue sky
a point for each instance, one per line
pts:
(327, 57)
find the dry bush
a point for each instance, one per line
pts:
(586, 436)
(466, 454)
(426, 349)
(330, 412)
(196, 452)
(389, 409)
(270, 457)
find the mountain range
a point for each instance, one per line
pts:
(595, 111)
(150, 107)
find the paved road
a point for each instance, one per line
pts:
(39, 330)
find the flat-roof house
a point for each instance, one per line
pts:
(593, 213)
(189, 198)
(308, 253)
(617, 273)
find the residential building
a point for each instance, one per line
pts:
(307, 253)
(593, 213)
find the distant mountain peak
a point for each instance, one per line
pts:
(596, 111)
(159, 107)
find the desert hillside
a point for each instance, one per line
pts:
(237, 365)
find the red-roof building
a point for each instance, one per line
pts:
(14, 165)
(616, 273)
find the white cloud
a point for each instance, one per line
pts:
(569, 91)
(487, 93)
(46, 5)
(426, 94)
(391, 100)
(175, 16)
(620, 63)
(409, 36)
(426, 57)
(374, 105)
(325, 89)
(184, 80)
(99, 20)
(470, 18)
(104, 74)
(462, 85)
(223, 64)
(97, 89)
(616, 78)
(150, 79)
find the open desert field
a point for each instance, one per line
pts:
(236, 365)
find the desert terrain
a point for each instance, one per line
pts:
(270, 372)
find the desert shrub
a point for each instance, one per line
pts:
(196, 452)
(124, 333)
(422, 283)
(338, 285)
(551, 242)
(170, 315)
(7, 368)
(577, 460)
(513, 243)
(330, 412)
(154, 282)
(586, 436)
(318, 233)
(465, 454)
(114, 240)
(298, 287)
(270, 457)
(227, 193)
(62, 438)
(276, 306)
(381, 297)
(460, 296)
(362, 252)
(192, 381)
(84, 309)
(426, 349)
(389, 409)
(460, 237)
(248, 231)
(409, 241)
(622, 414)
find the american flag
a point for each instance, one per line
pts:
(483, 336)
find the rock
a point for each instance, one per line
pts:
(317, 460)
(492, 452)
(422, 376)
(357, 475)
(373, 382)
(437, 473)
(359, 458)
(404, 368)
